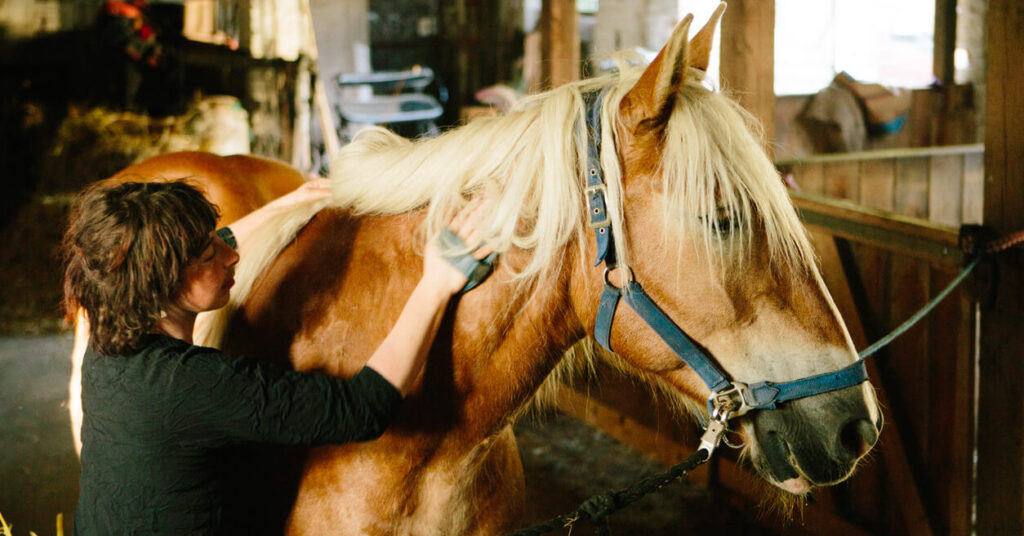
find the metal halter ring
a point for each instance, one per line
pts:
(629, 277)
(735, 401)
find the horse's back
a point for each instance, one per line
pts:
(237, 184)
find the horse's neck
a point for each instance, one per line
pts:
(330, 299)
(504, 345)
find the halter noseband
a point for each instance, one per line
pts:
(728, 398)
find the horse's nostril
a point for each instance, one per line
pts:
(856, 438)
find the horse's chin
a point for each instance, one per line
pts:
(781, 468)
(796, 486)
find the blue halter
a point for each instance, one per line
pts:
(728, 398)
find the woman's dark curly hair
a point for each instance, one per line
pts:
(124, 251)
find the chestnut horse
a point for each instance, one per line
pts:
(699, 216)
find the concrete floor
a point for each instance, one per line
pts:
(38, 466)
(565, 461)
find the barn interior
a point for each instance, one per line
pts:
(897, 126)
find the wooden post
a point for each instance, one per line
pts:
(1001, 398)
(945, 41)
(560, 42)
(942, 65)
(748, 59)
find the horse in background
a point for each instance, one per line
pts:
(699, 216)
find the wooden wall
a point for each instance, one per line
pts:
(941, 184)
(881, 270)
(1001, 405)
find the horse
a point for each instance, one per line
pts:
(697, 213)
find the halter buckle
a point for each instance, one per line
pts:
(596, 207)
(734, 401)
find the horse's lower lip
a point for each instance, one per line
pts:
(796, 486)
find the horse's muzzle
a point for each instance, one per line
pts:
(817, 440)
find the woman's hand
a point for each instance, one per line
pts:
(309, 193)
(314, 189)
(437, 271)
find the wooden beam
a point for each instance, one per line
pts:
(900, 474)
(1000, 482)
(560, 42)
(748, 59)
(885, 154)
(911, 236)
(945, 41)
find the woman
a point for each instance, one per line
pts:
(143, 259)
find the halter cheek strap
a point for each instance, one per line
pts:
(728, 398)
(596, 191)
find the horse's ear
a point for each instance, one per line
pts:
(700, 45)
(652, 98)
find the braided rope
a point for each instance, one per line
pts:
(598, 507)
(1004, 243)
(909, 323)
(968, 243)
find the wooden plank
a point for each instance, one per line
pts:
(946, 189)
(920, 126)
(877, 183)
(810, 178)
(911, 195)
(748, 59)
(842, 180)
(560, 42)
(909, 363)
(974, 188)
(866, 269)
(901, 476)
(888, 231)
(951, 406)
(886, 154)
(1000, 482)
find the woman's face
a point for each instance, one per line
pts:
(207, 281)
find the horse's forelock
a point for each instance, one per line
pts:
(715, 173)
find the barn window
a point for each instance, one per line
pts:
(872, 40)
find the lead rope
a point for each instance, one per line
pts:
(597, 508)
(969, 244)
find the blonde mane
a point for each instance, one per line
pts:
(530, 162)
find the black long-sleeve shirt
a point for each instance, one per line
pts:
(154, 422)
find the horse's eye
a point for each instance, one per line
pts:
(724, 223)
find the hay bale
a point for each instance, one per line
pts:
(92, 144)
